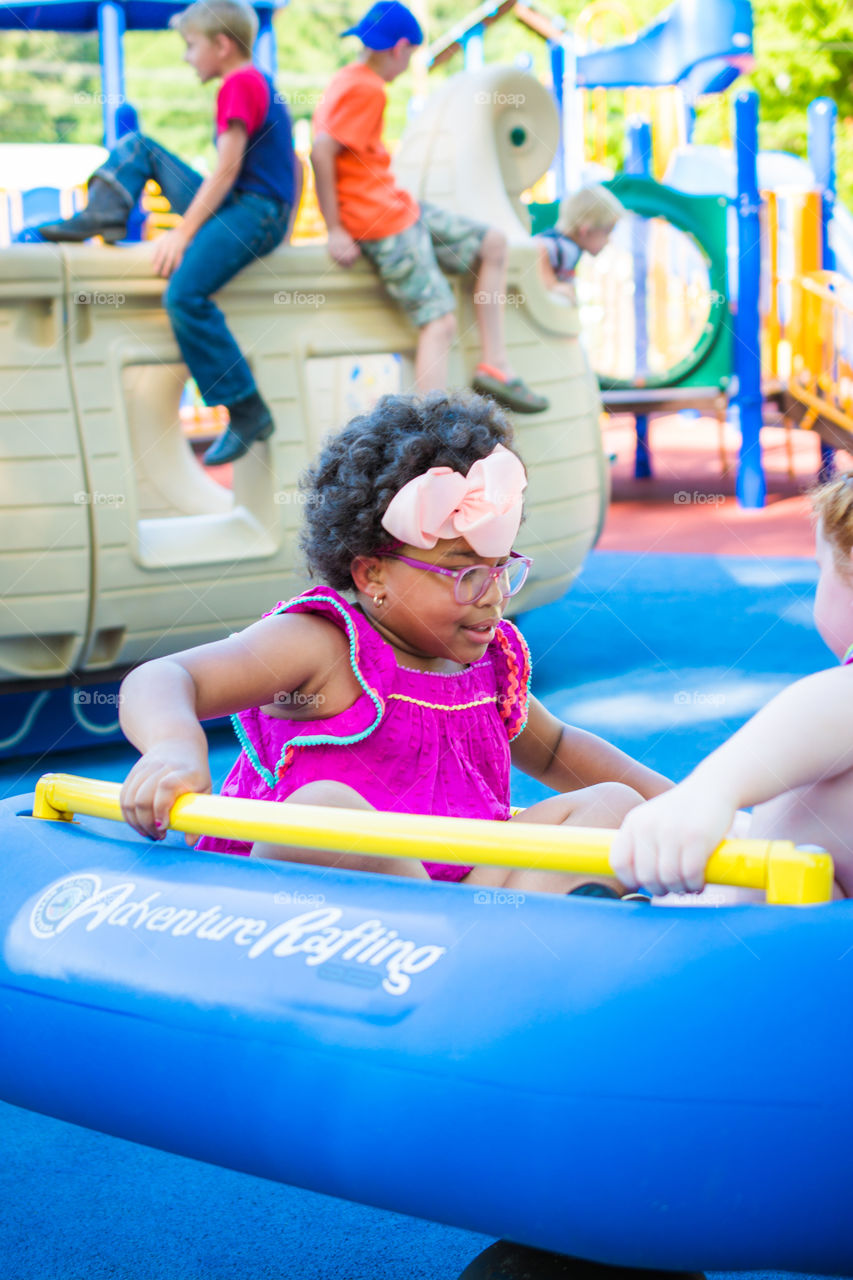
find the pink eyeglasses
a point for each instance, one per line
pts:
(472, 583)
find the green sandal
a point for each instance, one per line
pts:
(512, 393)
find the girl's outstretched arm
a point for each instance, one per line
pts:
(163, 702)
(567, 759)
(802, 736)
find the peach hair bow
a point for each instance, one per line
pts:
(484, 507)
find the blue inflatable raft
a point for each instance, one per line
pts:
(659, 1088)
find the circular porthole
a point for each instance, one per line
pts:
(648, 309)
(655, 302)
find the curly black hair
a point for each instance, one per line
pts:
(358, 471)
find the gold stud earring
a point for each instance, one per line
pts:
(378, 601)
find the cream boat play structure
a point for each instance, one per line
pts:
(116, 546)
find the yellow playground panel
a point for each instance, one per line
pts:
(822, 369)
(117, 546)
(807, 335)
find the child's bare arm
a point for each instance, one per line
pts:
(546, 271)
(802, 736)
(566, 759)
(342, 247)
(563, 288)
(163, 702)
(170, 248)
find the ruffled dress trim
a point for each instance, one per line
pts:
(315, 739)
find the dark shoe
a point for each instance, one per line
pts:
(592, 889)
(251, 420)
(512, 393)
(505, 1261)
(105, 215)
(83, 226)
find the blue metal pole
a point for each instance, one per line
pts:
(638, 160)
(472, 47)
(751, 486)
(639, 147)
(111, 54)
(557, 56)
(821, 119)
(822, 116)
(689, 122)
(264, 54)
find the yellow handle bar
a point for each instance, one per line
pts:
(788, 874)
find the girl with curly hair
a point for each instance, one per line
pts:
(408, 694)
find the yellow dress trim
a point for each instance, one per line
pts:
(441, 706)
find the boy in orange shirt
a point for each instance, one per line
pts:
(366, 212)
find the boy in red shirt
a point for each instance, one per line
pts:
(366, 212)
(241, 212)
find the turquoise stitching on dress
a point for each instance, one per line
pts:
(321, 739)
(249, 748)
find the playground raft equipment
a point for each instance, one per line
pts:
(511, 1064)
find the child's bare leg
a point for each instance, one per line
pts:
(820, 814)
(603, 805)
(336, 795)
(432, 357)
(490, 299)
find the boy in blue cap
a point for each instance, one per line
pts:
(366, 212)
(236, 215)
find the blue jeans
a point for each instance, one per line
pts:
(245, 227)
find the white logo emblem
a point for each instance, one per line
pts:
(58, 901)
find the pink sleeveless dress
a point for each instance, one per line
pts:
(412, 742)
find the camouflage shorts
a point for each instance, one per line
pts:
(410, 263)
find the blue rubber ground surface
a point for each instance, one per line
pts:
(666, 656)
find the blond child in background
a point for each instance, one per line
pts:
(793, 759)
(584, 225)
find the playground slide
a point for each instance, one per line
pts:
(688, 36)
